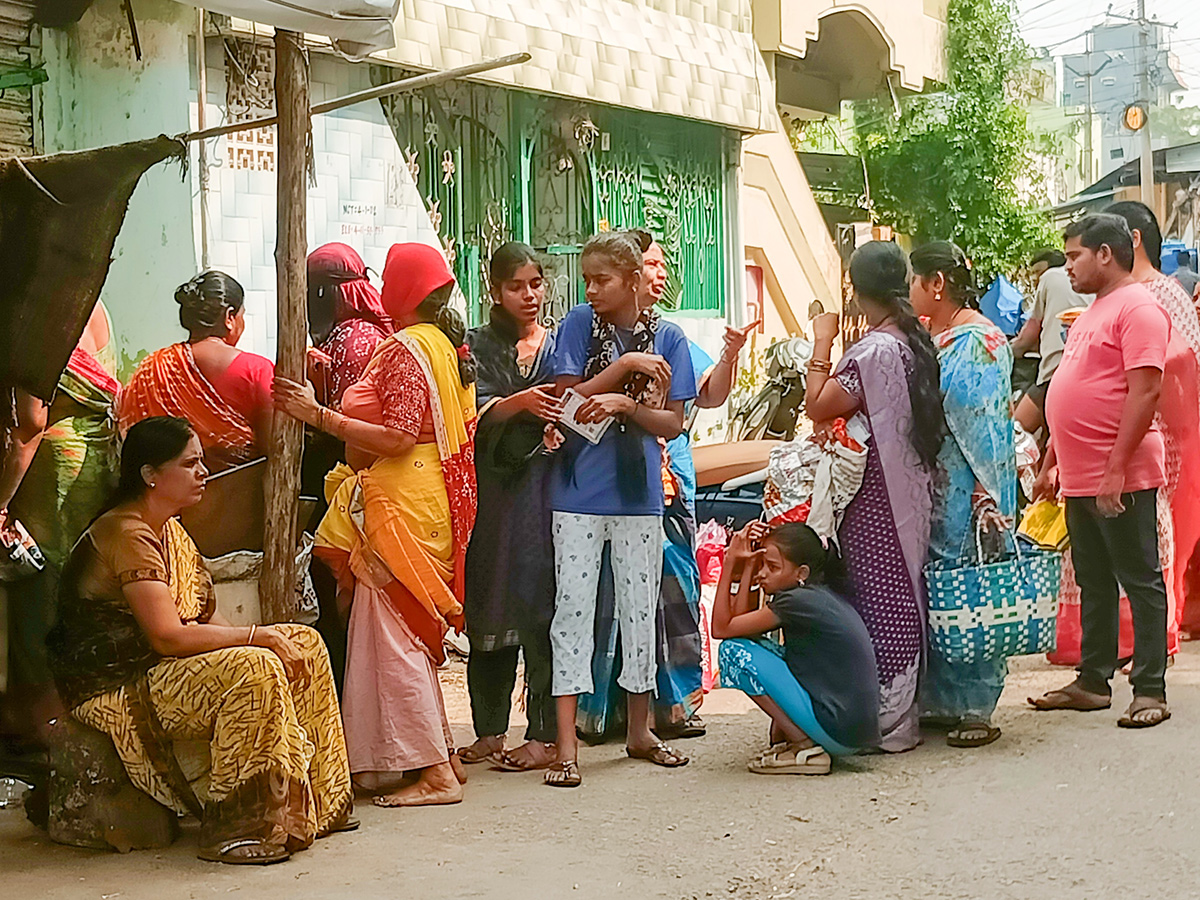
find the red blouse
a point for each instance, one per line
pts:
(246, 385)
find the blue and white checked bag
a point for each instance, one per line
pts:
(992, 610)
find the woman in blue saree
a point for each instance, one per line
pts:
(977, 489)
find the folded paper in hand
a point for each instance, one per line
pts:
(592, 431)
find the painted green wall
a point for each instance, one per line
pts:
(100, 94)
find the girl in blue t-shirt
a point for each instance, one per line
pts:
(634, 370)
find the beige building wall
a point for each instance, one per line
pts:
(821, 53)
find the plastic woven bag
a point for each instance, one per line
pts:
(992, 610)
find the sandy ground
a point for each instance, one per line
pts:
(1065, 806)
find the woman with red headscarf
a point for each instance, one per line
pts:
(346, 317)
(398, 527)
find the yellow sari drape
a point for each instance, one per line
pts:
(403, 524)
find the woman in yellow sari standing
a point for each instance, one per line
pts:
(397, 530)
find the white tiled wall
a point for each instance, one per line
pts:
(364, 195)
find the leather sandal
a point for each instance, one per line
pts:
(234, 853)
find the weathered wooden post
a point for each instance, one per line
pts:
(277, 586)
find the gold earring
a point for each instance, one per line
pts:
(938, 296)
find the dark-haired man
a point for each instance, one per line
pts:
(1043, 331)
(1106, 457)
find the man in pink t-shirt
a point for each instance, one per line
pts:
(1106, 457)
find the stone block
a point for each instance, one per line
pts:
(92, 801)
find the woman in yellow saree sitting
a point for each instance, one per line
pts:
(397, 530)
(140, 653)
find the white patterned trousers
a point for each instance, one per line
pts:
(637, 560)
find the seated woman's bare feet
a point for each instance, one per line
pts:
(437, 786)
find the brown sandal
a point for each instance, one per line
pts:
(233, 853)
(472, 756)
(659, 754)
(1074, 696)
(505, 761)
(563, 774)
(988, 734)
(1142, 705)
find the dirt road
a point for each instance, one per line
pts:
(1065, 806)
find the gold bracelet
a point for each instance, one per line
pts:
(322, 425)
(820, 365)
(250, 640)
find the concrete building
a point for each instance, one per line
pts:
(665, 113)
(1104, 79)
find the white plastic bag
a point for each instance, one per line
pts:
(808, 482)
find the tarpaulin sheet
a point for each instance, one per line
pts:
(59, 218)
(358, 26)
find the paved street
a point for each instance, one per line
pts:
(1065, 806)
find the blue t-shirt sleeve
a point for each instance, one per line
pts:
(674, 349)
(701, 362)
(572, 342)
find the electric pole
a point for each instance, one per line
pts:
(1147, 156)
(1090, 114)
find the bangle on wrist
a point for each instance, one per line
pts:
(250, 639)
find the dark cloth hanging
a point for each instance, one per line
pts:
(59, 219)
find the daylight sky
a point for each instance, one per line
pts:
(1060, 25)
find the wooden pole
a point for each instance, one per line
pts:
(277, 585)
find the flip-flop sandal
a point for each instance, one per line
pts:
(473, 757)
(505, 763)
(1148, 704)
(225, 853)
(991, 735)
(804, 761)
(563, 774)
(1073, 697)
(659, 754)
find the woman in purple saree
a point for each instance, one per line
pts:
(891, 378)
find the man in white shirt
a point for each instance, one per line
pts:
(1043, 331)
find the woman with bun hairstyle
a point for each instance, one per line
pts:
(977, 485)
(890, 377)
(223, 391)
(396, 534)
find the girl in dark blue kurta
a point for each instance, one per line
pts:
(510, 563)
(820, 688)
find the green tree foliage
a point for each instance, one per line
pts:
(1175, 124)
(952, 164)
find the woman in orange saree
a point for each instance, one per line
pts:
(224, 392)
(398, 527)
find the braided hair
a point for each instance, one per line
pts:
(879, 273)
